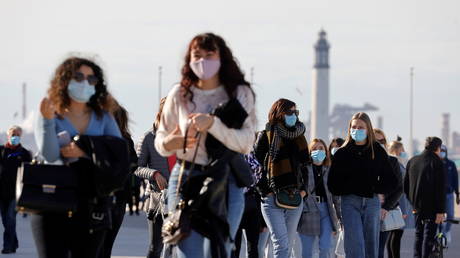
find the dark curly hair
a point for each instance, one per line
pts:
(230, 75)
(57, 93)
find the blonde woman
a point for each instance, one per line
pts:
(359, 172)
(396, 148)
(320, 217)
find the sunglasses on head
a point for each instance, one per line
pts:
(79, 77)
(290, 112)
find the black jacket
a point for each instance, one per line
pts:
(424, 184)
(10, 160)
(392, 198)
(353, 171)
(107, 167)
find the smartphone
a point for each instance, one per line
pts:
(63, 138)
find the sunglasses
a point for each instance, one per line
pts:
(79, 77)
(290, 112)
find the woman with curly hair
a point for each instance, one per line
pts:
(78, 103)
(210, 76)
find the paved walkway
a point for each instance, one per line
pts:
(133, 237)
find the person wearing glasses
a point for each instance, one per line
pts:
(360, 170)
(78, 103)
(282, 149)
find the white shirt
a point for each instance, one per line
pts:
(176, 111)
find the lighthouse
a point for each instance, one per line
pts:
(320, 90)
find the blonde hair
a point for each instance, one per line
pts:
(394, 146)
(327, 160)
(370, 131)
(379, 131)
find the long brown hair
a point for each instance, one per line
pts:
(57, 93)
(276, 114)
(156, 123)
(370, 131)
(327, 160)
(230, 75)
(122, 118)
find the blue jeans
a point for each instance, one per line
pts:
(450, 212)
(325, 237)
(8, 214)
(361, 222)
(282, 224)
(263, 242)
(196, 245)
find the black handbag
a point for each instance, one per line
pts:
(43, 188)
(288, 198)
(177, 225)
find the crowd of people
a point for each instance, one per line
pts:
(211, 176)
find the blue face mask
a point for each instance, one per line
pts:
(334, 150)
(15, 140)
(403, 155)
(443, 154)
(80, 91)
(318, 156)
(358, 135)
(290, 120)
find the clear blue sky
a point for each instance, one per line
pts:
(373, 45)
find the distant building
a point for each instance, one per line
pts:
(456, 143)
(341, 115)
(320, 90)
(445, 129)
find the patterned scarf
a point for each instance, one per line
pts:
(280, 131)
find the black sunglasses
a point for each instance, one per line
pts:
(79, 77)
(290, 112)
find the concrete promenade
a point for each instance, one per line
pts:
(133, 237)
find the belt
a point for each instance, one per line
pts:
(188, 165)
(320, 199)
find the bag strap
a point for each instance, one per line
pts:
(182, 168)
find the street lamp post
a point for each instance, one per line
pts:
(411, 114)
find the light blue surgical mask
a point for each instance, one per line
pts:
(318, 156)
(358, 135)
(443, 154)
(403, 155)
(80, 91)
(334, 150)
(290, 120)
(15, 140)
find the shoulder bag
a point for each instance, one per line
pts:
(43, 188)
(393, 220)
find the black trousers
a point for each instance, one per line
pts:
(394, 243)
(251, 223)
(118, 213)
(425, 232)
(134, 199)
(155, 238)
(57, 236)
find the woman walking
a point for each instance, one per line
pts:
(210, 76)
(78, 103)
(359, 172)
(283, 151)
(320, 217)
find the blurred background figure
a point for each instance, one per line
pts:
(12, 154)
(451, 187)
